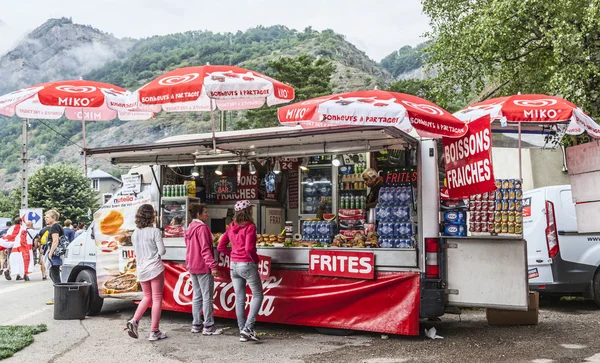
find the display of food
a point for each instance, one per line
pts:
(269, 240)
(126, 282)
(359, 240)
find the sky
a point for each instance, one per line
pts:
(375, 27)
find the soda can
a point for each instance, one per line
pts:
(498, 183)
(498, 217)
(518, 184)
(484, 205)
(518, 205)
(505, 183)
(505, 205)
(484, 217)
(511, 217)
(492, 195)
(511, 228)
(505, 194)
(518, 228)
(511, 205)
(491, 227)
(484, 227)
(472, 197)
(511, 183)
(477, 216)
(498, 205)
(472, 226)
(498, 194)
(504, 227)
(497, 227)
(491, 216)
(518, 217)
(518, 194)
(491, 205)
(477, 196)
(477, 227)
(472, 205)
(477, 205)
(504, 217)
(485, 196)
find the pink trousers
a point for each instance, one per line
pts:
(153, 294)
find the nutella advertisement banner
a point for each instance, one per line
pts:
(469, 161)
(114, 224)
(298, 298)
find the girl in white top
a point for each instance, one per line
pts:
(148, 246)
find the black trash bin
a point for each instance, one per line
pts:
(71, 300)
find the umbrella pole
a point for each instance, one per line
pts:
(84, 145)
(212, 121)
(24, 161)
(520, 157)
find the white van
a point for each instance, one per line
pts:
(561, 261)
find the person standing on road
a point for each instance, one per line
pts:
(39, 244)
(21, 253)
(244, 267)
(148, 247)
(200, 263)
(69, 232)
(8, 241)
(80, 229)
(55, 231)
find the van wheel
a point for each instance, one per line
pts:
(95, 302)
(596, 285)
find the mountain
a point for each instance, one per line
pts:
(60, 49)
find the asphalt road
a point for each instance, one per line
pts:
(569, 332)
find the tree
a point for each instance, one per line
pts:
(62, 188)
(550, 47)
(10, 204)
(310, 78)
(426, 88)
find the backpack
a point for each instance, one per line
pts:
(61, 249)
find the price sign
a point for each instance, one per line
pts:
(288, 163)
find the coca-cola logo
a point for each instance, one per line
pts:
(224, 294)
(542, 102)
(174, 80)
(76, 89)
(430, 109)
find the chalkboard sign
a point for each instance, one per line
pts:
(223, 185)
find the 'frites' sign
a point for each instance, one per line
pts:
(356, 265)
(469, 161)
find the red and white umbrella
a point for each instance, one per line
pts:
(79, 100)
(375, 108)
(534, 109)
(204, 88)
(76, 100)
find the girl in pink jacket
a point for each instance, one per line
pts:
(244, 267)
(201, 265)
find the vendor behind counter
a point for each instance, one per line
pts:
(371, 177)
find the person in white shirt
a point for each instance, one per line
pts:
(148, 247)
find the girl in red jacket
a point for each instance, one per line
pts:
(244, 267)
(202, 267)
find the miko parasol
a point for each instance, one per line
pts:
(205, 88)
(75, 99)
(375, 108)
(533, 109)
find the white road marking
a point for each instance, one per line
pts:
(385, 360)
(18, 285)
(573, 346)
(28, 315)
(593, 359)
(542, 361)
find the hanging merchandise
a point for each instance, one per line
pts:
(270, 182)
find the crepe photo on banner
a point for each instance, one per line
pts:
(115, 259)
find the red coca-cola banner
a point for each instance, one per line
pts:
(469, 160)
(264, 266)
(355, 265)
(389, 304)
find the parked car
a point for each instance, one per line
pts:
(561, 261)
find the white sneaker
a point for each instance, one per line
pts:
(132, 328)
(157, 335)
(212, 330)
